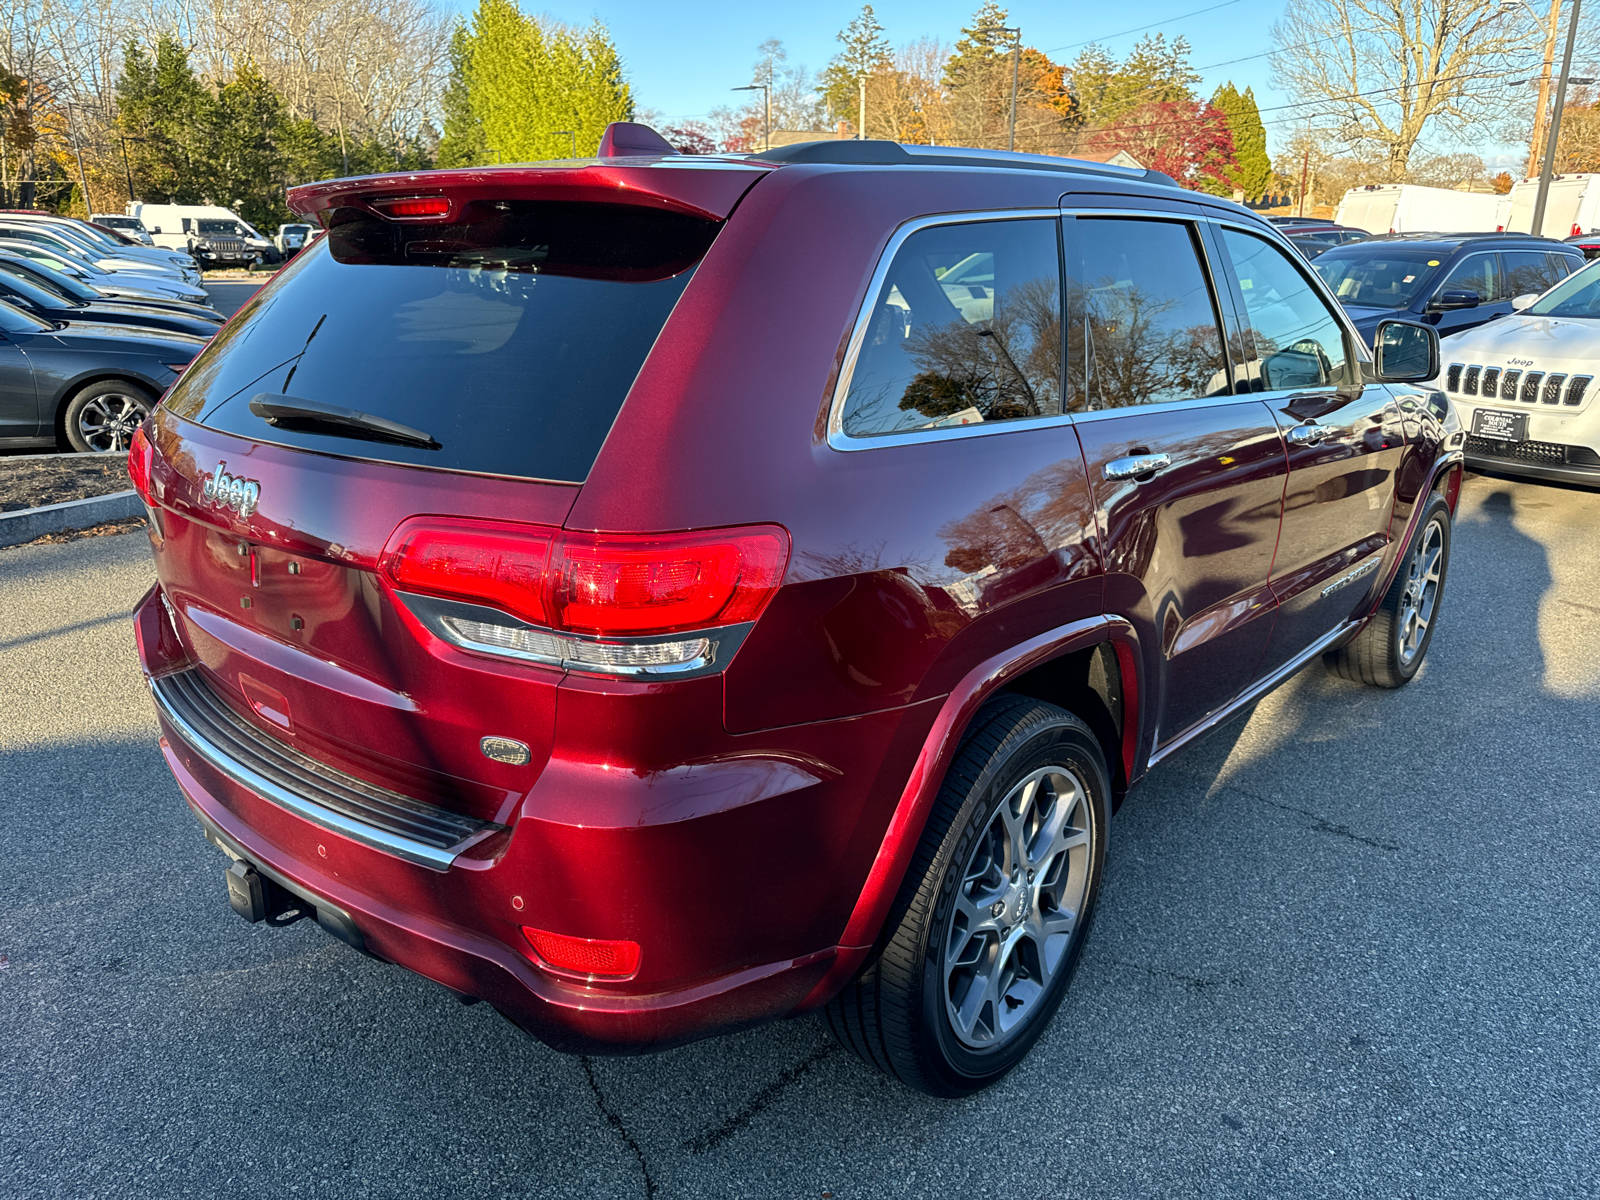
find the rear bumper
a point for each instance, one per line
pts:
(569, 1017)
(456, 918)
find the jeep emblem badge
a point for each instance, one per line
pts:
(230, 491)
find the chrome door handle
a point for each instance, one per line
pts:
(1310, 435)
(1136, 464)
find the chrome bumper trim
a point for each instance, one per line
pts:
(407, 828)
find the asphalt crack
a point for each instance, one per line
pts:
(786, 1079)
(1323, 825)
(1193, 983)
(614, 1119)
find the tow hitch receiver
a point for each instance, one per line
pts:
(252, 895)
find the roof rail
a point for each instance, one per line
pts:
(876, 152)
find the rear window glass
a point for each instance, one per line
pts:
(509, 339)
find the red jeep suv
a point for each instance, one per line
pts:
(657, 594)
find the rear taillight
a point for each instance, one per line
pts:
(590, 958)
(616, 585)
(141, 459)
(616, 604)
(481, 562)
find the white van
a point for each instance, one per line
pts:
(1571, 208)
(1410, 208)
(236, 243)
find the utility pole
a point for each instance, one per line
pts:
(570, 134)
(1548, 169)
(766, 90)
(1305, 170)
(1536, 143)
(1016, 58)
(126, 169)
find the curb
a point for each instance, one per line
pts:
(29, 523)
(59, 455)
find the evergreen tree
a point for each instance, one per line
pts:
(166, 112)
(540, 90)
(1155, 72)
(979, 49)
(463, 143)
(1253, 172)
(248, 124)
(865, 52)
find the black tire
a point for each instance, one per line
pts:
(898, 1014)
(1389, 650)
(103, 416)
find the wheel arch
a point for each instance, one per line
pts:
(1091, 662)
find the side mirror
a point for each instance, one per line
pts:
(157, 229)
(1404, 352)
(1518, 303)
(1455, 298)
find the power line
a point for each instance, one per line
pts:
(1142, 28)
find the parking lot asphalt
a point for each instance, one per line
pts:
(228, 296)
(1347, 947)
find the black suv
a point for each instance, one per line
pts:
(1453, 281)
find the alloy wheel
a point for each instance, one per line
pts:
(107, 422)
(1422, 592)
(1017, 907)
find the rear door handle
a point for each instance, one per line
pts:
(1135, 465)
(1310, 435)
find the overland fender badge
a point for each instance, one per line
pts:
(230, 491)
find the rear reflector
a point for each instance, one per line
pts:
(606, 585)
(592, 958)
(141, 457)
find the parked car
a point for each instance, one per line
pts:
(116, 284)
(101, 240)
(135, 260)
(1312, 240)
(131, 226)
(1451, 281)
(1524, 386)
(69, 287)
(17, 289)
(81, 385)
(503, 628)
(291, 239)
(1589, 243)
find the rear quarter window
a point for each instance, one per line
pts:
(510, 337)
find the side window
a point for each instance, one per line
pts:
(965, 329)
(1561, 266)
(1529, 271)
(1299, 343)
(1143, 323)
(1478, 273)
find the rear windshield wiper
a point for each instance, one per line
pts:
(313, 416)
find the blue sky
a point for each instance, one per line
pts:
(683, 58)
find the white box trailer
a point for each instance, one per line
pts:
(1410, 208)
(1571, 208)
